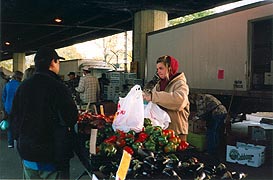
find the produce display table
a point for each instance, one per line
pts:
(155, 154)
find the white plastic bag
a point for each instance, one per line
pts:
(130, 112)
(158, 116)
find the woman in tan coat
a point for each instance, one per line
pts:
(171, 94)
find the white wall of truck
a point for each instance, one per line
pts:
(209, 46)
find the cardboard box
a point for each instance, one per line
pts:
(246, 154)
(268, 78)
(257, 133)
(197, 140)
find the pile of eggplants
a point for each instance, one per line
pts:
(158, 162)
(150, 165)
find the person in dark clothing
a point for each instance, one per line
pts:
(103, 81)
(210, 109)
(43, 116)
(7, 98)
(72, 83)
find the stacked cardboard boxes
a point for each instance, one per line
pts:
(118, 81)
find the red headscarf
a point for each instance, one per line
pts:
(174, 68)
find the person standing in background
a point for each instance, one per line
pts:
(7, 98)
(3, 82)
(43, 117)
(72, 83)
(28, 73)
(171, 94)
(210, 109)
(103, 82)
(88, 88)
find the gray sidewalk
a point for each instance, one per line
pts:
(10, 163)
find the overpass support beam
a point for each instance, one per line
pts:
(19, 60)
(144, 22)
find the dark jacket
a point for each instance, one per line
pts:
(38, 104)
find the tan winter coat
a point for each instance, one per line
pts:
(174, 100)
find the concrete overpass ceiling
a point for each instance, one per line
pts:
(28, 25)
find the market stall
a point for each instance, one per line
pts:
(155, 153)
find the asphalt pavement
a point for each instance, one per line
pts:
(11, 167)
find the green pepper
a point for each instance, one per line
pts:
(108, 149)
(87, 144)
(108, 130)
(162, 140)
(150, 145)
(129, 138)
(149, 130)
(157, 131)
(147, 122)
(131, 132)
(173, 157)
(136, 146)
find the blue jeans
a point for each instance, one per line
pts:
(10, 137)
(38, 174)
(215, 129)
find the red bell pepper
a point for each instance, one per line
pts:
(129, 150)
(183, 146)
(111, 139)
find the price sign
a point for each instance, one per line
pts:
(123, 166)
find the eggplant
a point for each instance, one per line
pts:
(221, 169)
(200, 176)
(227, 175)
(238, 176)
(169, 172)
(210, 170)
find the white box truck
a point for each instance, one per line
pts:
(226, 54)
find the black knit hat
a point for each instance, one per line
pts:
(71, 73)
(46, 54)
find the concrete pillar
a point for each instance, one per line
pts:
(19, 61)
(144, 22)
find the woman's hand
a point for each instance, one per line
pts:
(147, 96)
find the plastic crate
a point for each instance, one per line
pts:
(199, 141)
